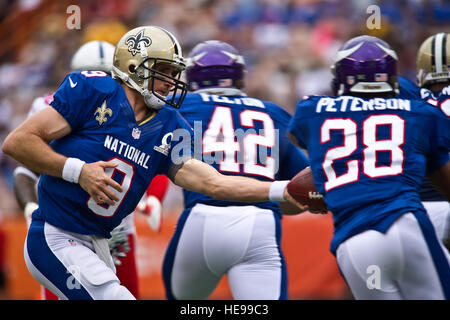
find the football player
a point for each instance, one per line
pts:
(238, 136)
(433, 76)
(369, 152)
(97, 55)
(97, 147)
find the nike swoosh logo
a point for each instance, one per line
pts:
(72, 85)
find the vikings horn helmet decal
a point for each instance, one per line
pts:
(136, 55)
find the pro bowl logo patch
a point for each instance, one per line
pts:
(165, 144)
(134, 42)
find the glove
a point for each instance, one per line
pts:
(118, 244)
(151, 206)
(28, 210)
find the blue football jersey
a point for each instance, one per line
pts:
(104, 128)
(411, 91)
(443, 100)
(241, 136)
(369, 156)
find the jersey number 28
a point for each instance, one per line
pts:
(368, 163)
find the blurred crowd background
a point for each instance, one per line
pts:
(288, 45)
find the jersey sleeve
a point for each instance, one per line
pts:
(292, 159)
(293, 162)
(181, 146)
(71, 99)
(439, 140)
(444, 101)
(408, 90)
(296, 124)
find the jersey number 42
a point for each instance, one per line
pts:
(222, 136)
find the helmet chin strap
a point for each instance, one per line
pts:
(151, 100)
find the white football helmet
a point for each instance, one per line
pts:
(93, 55)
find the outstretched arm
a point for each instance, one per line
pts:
(198, 176)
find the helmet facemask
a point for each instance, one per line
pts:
(148, 72)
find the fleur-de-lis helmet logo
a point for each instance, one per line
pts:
(134, 42)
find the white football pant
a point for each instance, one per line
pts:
(407, 262)
(242, 242)
(439, 212)
(70, 265)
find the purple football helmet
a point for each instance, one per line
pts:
(365, 64)
(214, 64)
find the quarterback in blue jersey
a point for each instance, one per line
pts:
(98, 146)
(239, 136)
(369, 153)
(433, 76)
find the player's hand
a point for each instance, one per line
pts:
(118, 244)
(302, 208)
(288, 197)
(97, 183)
(317, 211)
(151, 207)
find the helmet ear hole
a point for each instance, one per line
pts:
(132, 68)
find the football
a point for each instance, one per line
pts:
(302, 188)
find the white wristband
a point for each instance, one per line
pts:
(72, 169)
(276, 192)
